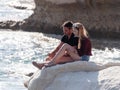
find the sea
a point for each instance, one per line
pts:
(19, 48)
(16, 10)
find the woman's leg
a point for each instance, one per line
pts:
(39, 65)
(70, 50)
(59, 56)
(64, 59)
(66, 47)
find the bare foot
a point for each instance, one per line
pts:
(38, 65)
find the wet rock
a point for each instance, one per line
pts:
(20, 7)
(11, 25)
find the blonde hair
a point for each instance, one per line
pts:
(81, 34)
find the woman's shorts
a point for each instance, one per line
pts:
(85, 58)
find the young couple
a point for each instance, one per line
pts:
(75, 45)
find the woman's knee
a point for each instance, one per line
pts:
(65, 45)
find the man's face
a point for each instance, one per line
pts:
(67, 31)
(75, 31)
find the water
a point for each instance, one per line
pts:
(18, 49)
(8, 12)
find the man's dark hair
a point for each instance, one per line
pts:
(68, 24)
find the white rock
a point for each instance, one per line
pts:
(78, 75)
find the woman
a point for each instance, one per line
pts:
(81, 52)
(84, 43)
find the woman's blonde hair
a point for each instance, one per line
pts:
(81, 34)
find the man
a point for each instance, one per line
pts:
(68, 37)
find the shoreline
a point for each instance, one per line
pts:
(97, 43)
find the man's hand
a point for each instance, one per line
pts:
(50, 56)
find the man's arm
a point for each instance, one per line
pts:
(52, 54)
(57, 48)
